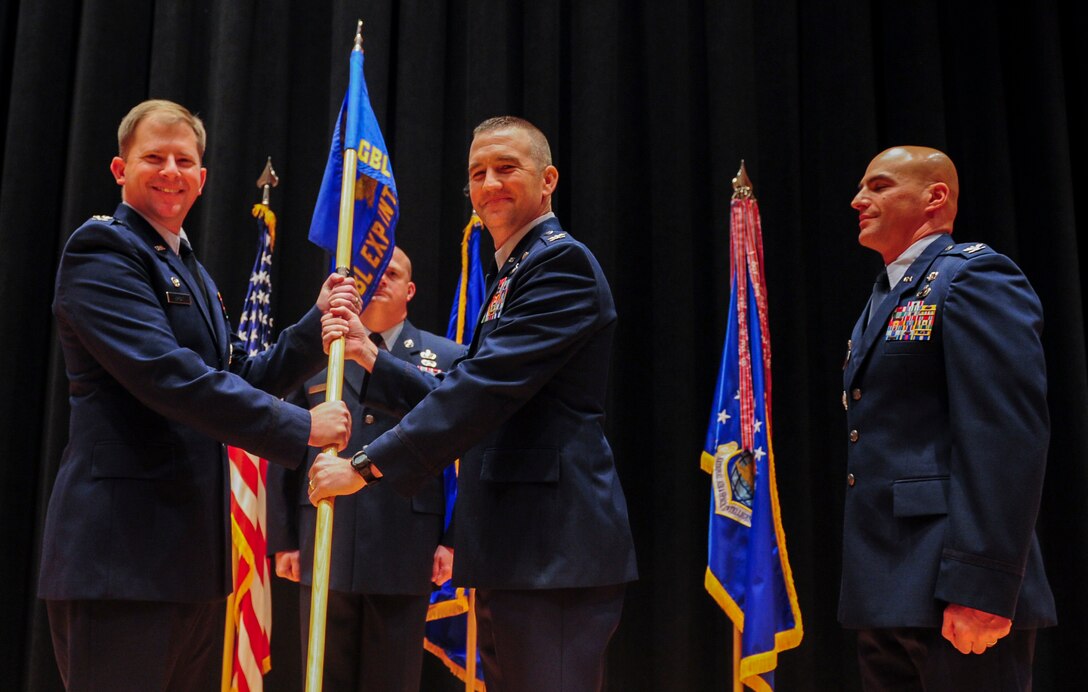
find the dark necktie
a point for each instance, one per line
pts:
(489, 278)
(376, 337)
(188, 257)
(881, 288)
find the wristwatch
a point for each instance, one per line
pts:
(362, 465)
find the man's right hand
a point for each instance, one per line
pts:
(342, 322)
(973, 631)
(288, 565)
(330, 424)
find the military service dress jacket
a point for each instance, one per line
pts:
(539, 502)
(140, 505)
(945, 396)
(382, 541)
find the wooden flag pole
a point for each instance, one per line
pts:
(319, 593)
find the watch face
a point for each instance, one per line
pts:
(361, 463)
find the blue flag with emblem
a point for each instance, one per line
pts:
(447, 614)
(748, 572)
(376, 208)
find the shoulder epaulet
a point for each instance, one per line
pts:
(968, 249)
(105, 218)
(550, 236)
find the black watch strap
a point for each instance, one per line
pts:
(361, 463)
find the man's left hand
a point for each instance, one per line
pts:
(442, 568)
(973, 631)
(330, 475)
(342, 322)
(339, 288)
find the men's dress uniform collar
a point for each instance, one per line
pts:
(899, 266)
(390, 336)
(513, 260)
(507, 248)
(864, 337)
(154, 238)
(173, 240)
(401, 340)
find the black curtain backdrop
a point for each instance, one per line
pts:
(649, 106)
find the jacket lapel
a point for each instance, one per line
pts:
(512, 262)
(355, 378)
(139, 224)
(864, 338)
(408, 334)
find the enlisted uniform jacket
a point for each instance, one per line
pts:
(539, 502)
(382, 542)
(945, 392)
(140, 505)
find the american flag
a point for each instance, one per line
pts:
(251, 603)
(255, 325)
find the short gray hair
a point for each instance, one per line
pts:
(538, 143)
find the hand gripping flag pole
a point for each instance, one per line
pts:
(358, 198)
(319, 599)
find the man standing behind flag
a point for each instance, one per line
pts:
(136, 541)
(945, 398)
(385, 547)
(542, 529)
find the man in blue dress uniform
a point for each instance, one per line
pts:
(386, 548)
(945, 398)
(135, 553)
(541, 519)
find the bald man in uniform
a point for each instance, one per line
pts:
(945, 398)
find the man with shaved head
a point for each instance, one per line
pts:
(945, 398)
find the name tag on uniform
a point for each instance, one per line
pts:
(178, 298)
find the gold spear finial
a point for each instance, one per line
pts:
(742, 184)
(267, 181)
(359, 36)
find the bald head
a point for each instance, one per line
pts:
(908, 193)
(926, 165)
(389, 305)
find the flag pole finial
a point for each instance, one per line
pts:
(742, 184)
(359, 36)
(267, 181)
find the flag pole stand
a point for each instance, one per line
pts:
(229, 626)
(738, 686)
(470, 641)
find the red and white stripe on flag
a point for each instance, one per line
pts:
(252, 590)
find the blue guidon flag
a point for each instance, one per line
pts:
(748, 572)
(447, 614)
(376, 205)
